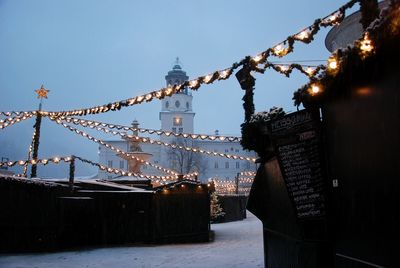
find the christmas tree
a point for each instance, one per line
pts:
(216, 211)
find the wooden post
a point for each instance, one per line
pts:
(72, 173)
(35, 148)
(237, 183)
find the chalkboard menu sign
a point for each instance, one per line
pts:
(297, 140)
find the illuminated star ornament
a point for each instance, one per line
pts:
(42, 92)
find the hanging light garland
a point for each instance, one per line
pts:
(115, 149)
(247, 173)
(9, 121)
(170, 145)
(280, 50)
(94, 124)
(159, 179)
(44, 161)
(20, 113)
(364, 47)
(286, 69)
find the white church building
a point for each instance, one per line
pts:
(177, 115)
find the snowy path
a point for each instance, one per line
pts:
(237, 244)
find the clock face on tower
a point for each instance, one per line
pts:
(177, 104)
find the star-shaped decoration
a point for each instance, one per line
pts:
(42, 92)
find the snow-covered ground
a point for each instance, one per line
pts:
(237, 244)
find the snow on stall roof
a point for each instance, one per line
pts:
(32, 181)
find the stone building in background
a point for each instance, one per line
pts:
(177, 115)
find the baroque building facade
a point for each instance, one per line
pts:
(177, 116)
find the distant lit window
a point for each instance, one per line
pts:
(109, 163)
(226, 164)
(177, 121)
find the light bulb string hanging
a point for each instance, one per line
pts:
(9, 121)
(117, 150)
(43, 161)
(280, 50)
(19, 113)
(94, 124)
(170, 145)
(127, 173)
(363, 46)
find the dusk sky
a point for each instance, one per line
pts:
(92, 52)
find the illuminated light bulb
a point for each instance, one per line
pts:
(183, 186)
(310, 71)
(168, 91)
(140, 99)
(332, 63)
(21, 162)
(303, 35)
(193, 83)
(279, 50)
(283, 68)
(366, 44)
(207, 78)
(149, 97)
(33, 162)
(56, 159)
(257, 58)
(223, 74)
(315, 89)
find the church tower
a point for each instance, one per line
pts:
(176, 111)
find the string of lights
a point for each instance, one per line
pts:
(20, 113)
(44, 161)
(286, 69)
(170, 145)
(9, 121)
(93, 124)
(314, 87)
(158, 179)
(117, 150)
(279, 50)
(247, 173)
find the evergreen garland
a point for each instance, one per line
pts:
(356, 68)
(369, 12)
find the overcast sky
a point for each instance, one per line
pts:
(92, 52)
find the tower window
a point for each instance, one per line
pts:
(226, 164)
(177, 121)
(177, 104)
(174, 129)
(237, 165)
(216, 165)
(167, 104)
(187, 105)
(121, 164)
(181, 130)
(109, 163)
